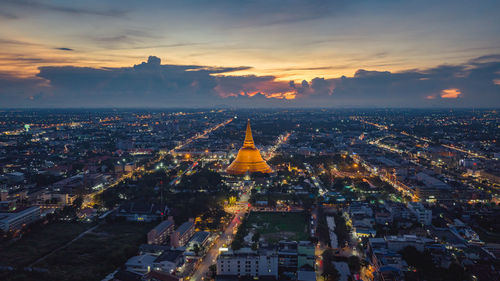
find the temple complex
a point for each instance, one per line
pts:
(248, 158)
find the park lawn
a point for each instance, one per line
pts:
(275, 226)
(98, 253)
(38, 242)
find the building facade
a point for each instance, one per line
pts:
(245, 262)
(17, 220)
(182, 234)
(160, 233)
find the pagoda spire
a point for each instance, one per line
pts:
(248, 159)
(248, 136)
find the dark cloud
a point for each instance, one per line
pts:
(422, 88)
(8, 15)
(64, 49)
(266, 12)
(475, 83)
(17, 42)
(159, 46)
(16, 92)
(39, 5)
(486, 59)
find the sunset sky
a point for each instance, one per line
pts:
(249, 53)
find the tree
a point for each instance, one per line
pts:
(330, 272)
(456, 272)
(338, 185)
(237, 244)
(213, 270)
(77, 204)
(196, 249)
(354, 263)
(256, 237)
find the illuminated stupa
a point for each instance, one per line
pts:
(249, 158)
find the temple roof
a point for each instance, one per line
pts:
(248, 136)
(248, 158)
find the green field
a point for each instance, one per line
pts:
(93, 256)
(275, 226)
(39, 242)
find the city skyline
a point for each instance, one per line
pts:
(254, 54)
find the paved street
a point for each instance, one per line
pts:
(211, 256)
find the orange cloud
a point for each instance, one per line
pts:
(251, 85)
(496, 81)
(452, 93)
(286, 95)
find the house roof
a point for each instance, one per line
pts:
(169, 255)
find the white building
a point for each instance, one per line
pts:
(245, 262)
(424, 216)
(17, 220)
(169, 261)
(398, 243)
(141, 264)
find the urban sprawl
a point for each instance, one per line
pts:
(223, 194)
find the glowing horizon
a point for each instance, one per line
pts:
(287, 52)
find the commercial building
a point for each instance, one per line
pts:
(388, 265)
(17, 220)
(169, 261)
(432, 189)
(398, 243)
(306, 254)
(384, 254)
(142, 211)
(246, 262)
(287, 256)
(423, 215)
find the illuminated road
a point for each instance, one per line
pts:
(224, 239)
(90, 198)
(468, 152)
(281, 140)
(188, 171)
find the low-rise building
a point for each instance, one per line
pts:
(245, 262)
(422, 214)
(306, 254)
(287, 256)
(141, 264)
(13, 221)
(398, 243)
(161, 232)
(200, 238)
(169, 261)
(306, 275)
(182, 234)
(142, 211)
(388, 265)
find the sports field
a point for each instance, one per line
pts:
(275, 226)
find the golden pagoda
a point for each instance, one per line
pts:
(248, 158)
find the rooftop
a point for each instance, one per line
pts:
(185, 227)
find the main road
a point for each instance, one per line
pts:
(90, 198)
(224, 239)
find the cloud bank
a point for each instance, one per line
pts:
(152, 84)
